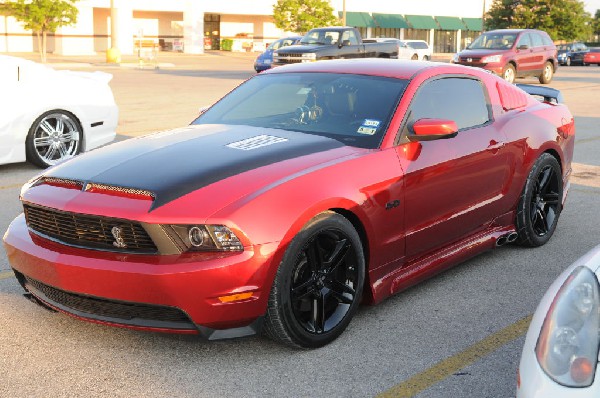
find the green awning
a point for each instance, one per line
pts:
(450, 23)
(475, 24)
(390, 21)
(359, 19)
(421, 22)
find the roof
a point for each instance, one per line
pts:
(450, 23)
(390, 21)
(374, 67)
(421, 22)
(475, 24)
(359, 19)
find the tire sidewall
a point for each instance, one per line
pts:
(324, 221)
(527, 235)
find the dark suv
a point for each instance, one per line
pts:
(512, 53)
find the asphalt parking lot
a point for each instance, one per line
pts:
(457, 335)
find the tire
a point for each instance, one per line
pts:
(318, 285)
(425, 58)
(509, 73)
(568, 63)
(540, 203)
(54, 137)
(547, 73)
(415, 57)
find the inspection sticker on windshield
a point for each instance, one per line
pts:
(369, 127)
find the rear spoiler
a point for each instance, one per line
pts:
(548, 94)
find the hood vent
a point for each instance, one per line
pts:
(256, 142)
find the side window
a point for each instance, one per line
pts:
(468, 106)
(547, 40)
(536, 40)
(524, 41)
(351, 36)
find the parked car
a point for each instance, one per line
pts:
(304, 191)
(336, 42)
(265, 60)
(592, 57)
(571, 54)
(407, 49)
(512, 53)
(560, 355)
(49, 116)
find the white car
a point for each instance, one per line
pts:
(407, 49)
(48, 116)
(560, 356)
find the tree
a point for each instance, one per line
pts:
(300, 16)
(596, 24)
(42, 17)
(562, 19)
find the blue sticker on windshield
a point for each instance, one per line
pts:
(369, 127)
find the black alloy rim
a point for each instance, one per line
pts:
(544, 201)
(324, 281)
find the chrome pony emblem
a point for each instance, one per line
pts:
(117, 233)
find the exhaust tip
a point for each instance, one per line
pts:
(501, 241)
(512, 237)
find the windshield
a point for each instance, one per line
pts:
(353, 109)
(494, 41)
(321, 37)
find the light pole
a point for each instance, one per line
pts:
(113, 54)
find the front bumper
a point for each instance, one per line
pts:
(189, 284)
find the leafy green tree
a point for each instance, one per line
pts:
(42, 16)
(300, 16)
(562, 19)
(596, 24)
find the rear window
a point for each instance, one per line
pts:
(353, 109)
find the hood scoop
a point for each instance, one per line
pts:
(256, 142)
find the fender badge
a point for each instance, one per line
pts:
(117, 233)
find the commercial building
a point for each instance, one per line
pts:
(192, 26)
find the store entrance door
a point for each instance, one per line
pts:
(212, 32)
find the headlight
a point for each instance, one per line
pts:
(491, 59)
(567, 348)
(203, 237)
(455, 59)
(309, 57)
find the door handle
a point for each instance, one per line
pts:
(495, 146)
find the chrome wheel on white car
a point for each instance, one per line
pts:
(54, 137)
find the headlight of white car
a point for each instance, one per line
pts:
(567, 348)
(491, 59)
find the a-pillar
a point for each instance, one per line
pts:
(77, 39)
(193, 28)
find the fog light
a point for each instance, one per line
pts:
(581, 370)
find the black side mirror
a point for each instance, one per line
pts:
(344, 43)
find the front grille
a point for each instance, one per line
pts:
(289, 58)
(136, 314)
(87, 231)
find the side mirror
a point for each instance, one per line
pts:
(432, 129)
(344, 43)
(523, 47)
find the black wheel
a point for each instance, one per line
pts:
(540, 203)
(53, 137)
(318, 285)
(509, 73)
(547, 73)
(415, 57)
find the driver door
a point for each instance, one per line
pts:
(453, 187)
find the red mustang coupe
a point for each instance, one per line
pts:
(306, 190)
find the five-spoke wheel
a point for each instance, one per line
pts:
(318, 284)
(54, 137)
(540, 203)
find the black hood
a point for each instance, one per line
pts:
(303, 48)
(173, 163)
